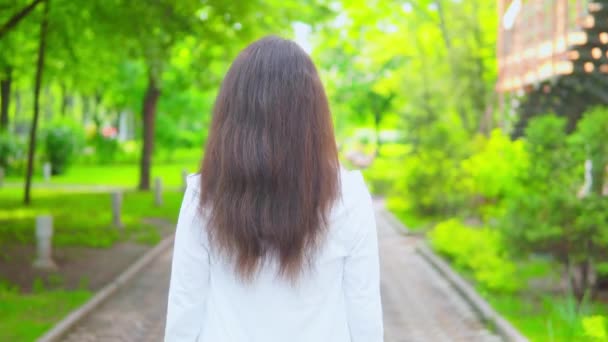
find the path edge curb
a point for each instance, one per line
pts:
(67, 323)
(480, 305)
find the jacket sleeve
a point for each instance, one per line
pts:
(362, 275)
(189, 285)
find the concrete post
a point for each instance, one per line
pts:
(44, 239)
(1, 177)
(46, 171)
(116, 209)
(158, 192)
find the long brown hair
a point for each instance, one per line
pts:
(270, 174)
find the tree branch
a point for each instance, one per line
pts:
(15, 19)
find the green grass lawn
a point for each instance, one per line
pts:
(122, 175)
(25, 317)
(82, 219)
(79, 219)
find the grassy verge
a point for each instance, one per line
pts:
(552, 318)
(123, 175)
(25, 317)
(539, 313)
(82, 219)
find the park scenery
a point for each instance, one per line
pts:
(480, 126)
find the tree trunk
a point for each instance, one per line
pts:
(39, 70)
(586, 283)
(149, 115)
(5, 97)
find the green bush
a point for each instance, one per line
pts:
(479, 251)
(596, 327)
(491, 173)
(542, 203)
(430, 183)
(62, 141)
(106, 149)
(382, 175)
(11, 151)
(167, 132)
(543, 213)
(385, 170)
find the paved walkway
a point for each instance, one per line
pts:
(419, 305)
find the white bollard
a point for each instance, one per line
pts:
(44, 239)
(116, 209)
(1, 177)
(46, 171)
(158, 191)
(184, 179)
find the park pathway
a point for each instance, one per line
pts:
(419, 305)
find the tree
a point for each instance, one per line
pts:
(158, 29)
(37, 85)
(543, 213)
(5, 95)
(589, 144)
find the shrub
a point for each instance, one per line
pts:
(490, 174)
(589, 143)
(62, 141)
(430, 182)
(479, 251)
(596, 327)
(543, 213)
(106, 149)
(9, 150)
(386, 170)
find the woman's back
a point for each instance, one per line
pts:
(336, 300)
(275, 241)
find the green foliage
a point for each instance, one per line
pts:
(430, 183)
(539, 214)
(167, 133)
(106, 149)
(596, 327)
(544, 318)
(479, 251)
(491, 173)
(589, 140)
(385, 170)
(11, 152)
(543, 213)
(62, 141)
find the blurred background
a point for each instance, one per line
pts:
(483, 125)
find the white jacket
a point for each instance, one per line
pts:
(338, 302)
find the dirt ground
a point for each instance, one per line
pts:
(78, 267)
